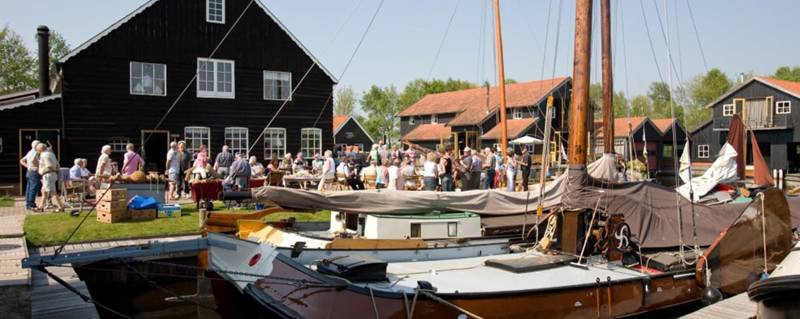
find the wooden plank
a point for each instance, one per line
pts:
(738, 306)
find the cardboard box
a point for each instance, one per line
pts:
(112, 206)
(142, 214)
(110, 195)
(115, 217)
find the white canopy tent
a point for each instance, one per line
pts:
(526, 140)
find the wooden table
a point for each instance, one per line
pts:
(301, 181)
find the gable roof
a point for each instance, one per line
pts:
(515, 128)
(788, 87)
(29, 102)
(474, 106)
(149, 3)
(340, 120)
(621, 126)
(428, 132)
(665, 124)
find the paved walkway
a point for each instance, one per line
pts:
(12, 246)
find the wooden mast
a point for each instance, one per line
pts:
(501, 78)
(580, 83)
(608, 85)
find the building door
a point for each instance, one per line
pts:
(51, 137)
(155, 144)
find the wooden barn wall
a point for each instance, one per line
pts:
(45, 115)
(356, 135)
(758, 90)
(175, 33)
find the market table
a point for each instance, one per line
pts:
(301, 181)
(207, 190)
(257, 182)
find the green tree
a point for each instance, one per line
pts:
(662, 103)
(703, 89)
(345, 101)
(788, 73)
(17, 66)
(381, 105)
(619, 100)
(417, 89)
(58, 49)
(641, 106)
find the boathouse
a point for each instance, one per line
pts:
(653, 134)
(767, 108)
(347, 131)
(175, 70)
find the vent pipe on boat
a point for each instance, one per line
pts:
(43, 37)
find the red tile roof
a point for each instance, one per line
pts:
(515, 129)
(790, 86)
(339, 120)
(663, 124)
(472, 104)
(428, 132)
(620, 126)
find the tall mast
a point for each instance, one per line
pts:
(580, 83)
(501, 78)
(608, 81)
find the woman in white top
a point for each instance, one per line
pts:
(511, 170)
(394, 176)
(104, 163)
(429, 172)
(328, 171)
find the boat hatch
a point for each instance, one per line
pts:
(354, 268)
(531, 263)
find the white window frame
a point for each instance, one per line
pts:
(783, 107)
(118, 144)
(411, 121)
(279, 73)
(728, 110)
(455, 229)
(141, 65)
(516, 113)
(269, 137)
(208, 13)
(309, 147)
(434, 119)
(240, 134)
(703, 151)
(215, 92)
(190, 145)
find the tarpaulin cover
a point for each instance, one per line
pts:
(142, 202)
(722, 170)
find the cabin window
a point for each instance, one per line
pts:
(274, 142)
(728, 110)
(783, 107)
(434, 119)
(215, 11)
(416, 230)
(196, 136)
(703, 151)
(148, 78)
(237, 139)
(310, 141)
(516, 113)
(1, 145)
(277, 85)
(215, 78)
(411, 120)
(118, 144)
(452, 229)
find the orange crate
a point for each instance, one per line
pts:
(142, 214)
(112, 206)
(113, 194)
(109, 218)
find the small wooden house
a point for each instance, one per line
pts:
(653, 134)
(347, 131)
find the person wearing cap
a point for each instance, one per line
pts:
(466, 169)
(34, 182)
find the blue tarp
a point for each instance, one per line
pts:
(142, 202)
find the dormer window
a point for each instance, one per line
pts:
(516, 113)
(411, 120)
(434, 119)
(215, 11)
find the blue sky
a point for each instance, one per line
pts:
(736, 35)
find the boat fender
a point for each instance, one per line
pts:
(425, 285)
(298, 248)
(711, 295)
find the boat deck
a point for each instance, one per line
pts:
(448, 275)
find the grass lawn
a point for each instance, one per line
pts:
(53, 228)
(6, 201)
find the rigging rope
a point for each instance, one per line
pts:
(444, 38)
(697, 35)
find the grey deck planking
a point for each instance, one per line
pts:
(735, 307)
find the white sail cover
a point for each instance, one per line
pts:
(605, 168)
(722, 170)
(685, 169)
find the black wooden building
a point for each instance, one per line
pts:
(766, 108)
(209, 72)
(347, 131)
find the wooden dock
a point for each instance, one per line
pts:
(51, 300)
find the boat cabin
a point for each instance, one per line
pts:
(433, 225)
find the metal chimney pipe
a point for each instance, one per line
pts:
(43, 37)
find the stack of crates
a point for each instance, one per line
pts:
(112, 205)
